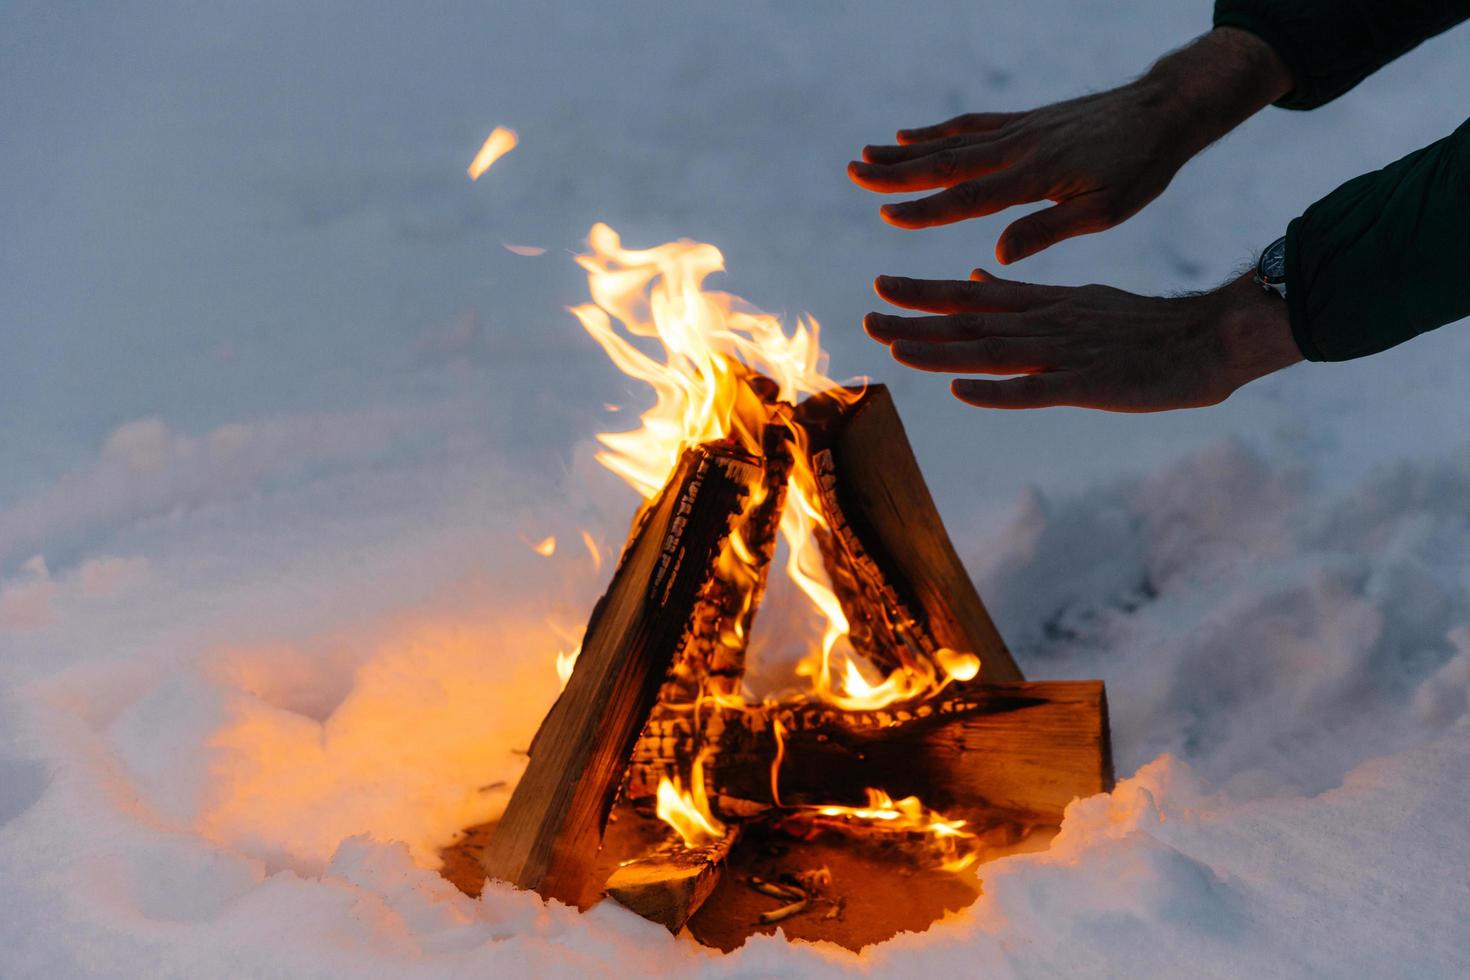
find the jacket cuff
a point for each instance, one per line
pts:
(1296, 295)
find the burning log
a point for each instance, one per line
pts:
(904, 589)
(552, 828)
(712, 659)
(669, 884)
(1018, 750)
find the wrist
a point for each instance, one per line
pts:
(1215, 83)
(1253, 326)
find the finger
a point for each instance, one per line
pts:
(947, 329)
(960, 296)
(1027, 391)
(971, 199)
(912, 151)
(987, 355)
(1043, 229)
(942, 168)
(970, 122)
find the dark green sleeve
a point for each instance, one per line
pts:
(1332, 45)
(1385, 257)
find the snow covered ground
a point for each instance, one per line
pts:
(280, 414)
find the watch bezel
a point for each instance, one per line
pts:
(1265, 277)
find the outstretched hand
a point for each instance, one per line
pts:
(1099, 158)
(1086, 346)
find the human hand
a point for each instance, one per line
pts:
(1086, 346)
(1099, 158)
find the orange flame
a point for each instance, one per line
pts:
(909, 814)
(709, 343)
(688, 812)
(709, 340)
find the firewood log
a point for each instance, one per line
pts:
(548, 838)
(1020, 751)
(667, 885)
(904, 589)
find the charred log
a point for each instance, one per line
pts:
(904, 589)
(1023, 751)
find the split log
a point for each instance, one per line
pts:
(902, 585)
(669, 884)
(548, 838)
(1018, 751)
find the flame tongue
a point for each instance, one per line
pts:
(688, 812)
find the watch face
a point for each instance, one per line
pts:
(1272, 266)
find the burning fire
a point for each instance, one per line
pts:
(704, 353)
(712, 343)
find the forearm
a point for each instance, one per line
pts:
(1214, 84)
(1385, 257)
(1331, 45)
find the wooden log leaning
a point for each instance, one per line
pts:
(669, 884)
(1019, 751)
(548, 838)
(901, 582)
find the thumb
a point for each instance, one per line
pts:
(1042, 229)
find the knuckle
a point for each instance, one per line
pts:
(971, 325)
(988, 350)
(967, 195)
(945, 163)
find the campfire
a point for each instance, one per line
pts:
(908, 744)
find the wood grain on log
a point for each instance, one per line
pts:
(668, 884)
(548, 838)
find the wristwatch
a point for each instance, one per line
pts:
(1271, 269)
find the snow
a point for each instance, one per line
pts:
(281, 414)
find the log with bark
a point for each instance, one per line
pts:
(549, 836)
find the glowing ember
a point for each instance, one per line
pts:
(546, 547)
(910, 815)
(500, 142)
